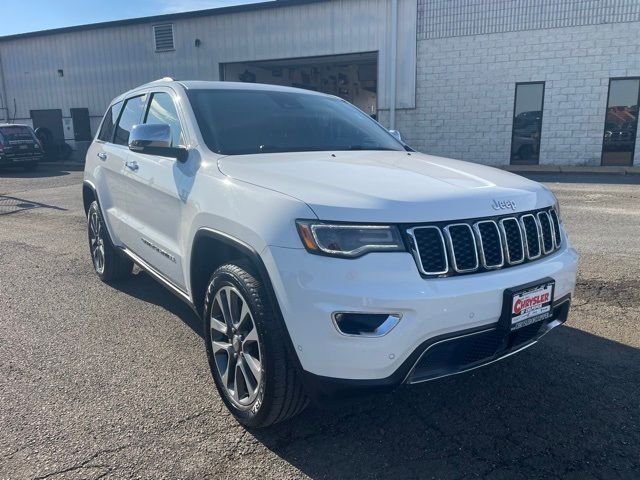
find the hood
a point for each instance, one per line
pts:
(383, 186)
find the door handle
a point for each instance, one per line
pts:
(102, 156)
(131, 165)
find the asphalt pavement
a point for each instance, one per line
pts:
(100, 381)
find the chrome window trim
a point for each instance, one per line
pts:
(544, 249)
(415, 250)
(503, 232)
(526, 241)
(447, 233)
(483, 259)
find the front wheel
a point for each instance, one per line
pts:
(108, 262)
(246, 348)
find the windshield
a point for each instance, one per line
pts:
(239, 122)
(15, 133)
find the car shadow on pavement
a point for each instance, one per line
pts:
(145, 288)
(43, 171)
(9, 205)
(568, 407)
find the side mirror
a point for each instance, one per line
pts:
(155, 139)
(396, 135)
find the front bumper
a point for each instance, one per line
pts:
(442, 356)
(309, 288)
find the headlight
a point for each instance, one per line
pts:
(348, 241)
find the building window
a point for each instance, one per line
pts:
(621, 122)
(163, 37)
(527, 123)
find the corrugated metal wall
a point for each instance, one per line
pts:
(100, 63)
(454, 18)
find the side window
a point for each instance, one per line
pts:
(109, 122)
(163, 110)
(131, 115)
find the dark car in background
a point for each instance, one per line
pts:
(19, 146)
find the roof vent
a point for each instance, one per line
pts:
(163, 36)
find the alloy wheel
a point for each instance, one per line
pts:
(235, 346)
(96, 242)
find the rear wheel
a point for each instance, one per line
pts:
(246, 348)
(108, 262)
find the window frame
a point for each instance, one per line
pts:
(513, 118)
(147, 106)
(124, 104)
(98, 139)
(604, 127)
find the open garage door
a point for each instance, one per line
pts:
(353, 77)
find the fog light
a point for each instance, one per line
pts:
(365, 324)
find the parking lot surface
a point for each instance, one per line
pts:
(111, 381)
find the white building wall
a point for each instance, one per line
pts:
(466, 83)
(100, 63)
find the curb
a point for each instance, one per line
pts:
(571, 169)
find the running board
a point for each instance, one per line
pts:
(158, 276)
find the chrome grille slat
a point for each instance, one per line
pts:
(556, 227)
(430, 250)
(464, 258)
(489, 244)
(513, 240)
(478, 245)
(546, 229)
(531, 231)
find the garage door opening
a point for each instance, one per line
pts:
(353, 77)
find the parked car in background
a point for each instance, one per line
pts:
(324, 256)
(19, 146)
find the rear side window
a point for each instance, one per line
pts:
(131, 115)
(109, 122)
(163, 110)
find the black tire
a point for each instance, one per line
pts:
(30, 167)
(280, 394)
(114, 265)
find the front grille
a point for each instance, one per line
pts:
(483, 244)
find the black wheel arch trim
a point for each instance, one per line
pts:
(256, 260)
(92, 187)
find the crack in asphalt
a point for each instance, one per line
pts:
(85, 463)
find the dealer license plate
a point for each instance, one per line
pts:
(531, 304)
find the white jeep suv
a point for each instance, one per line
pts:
(325, 257)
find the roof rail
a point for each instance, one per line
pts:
(163, 79)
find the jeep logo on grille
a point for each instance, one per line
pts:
(503, 205)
